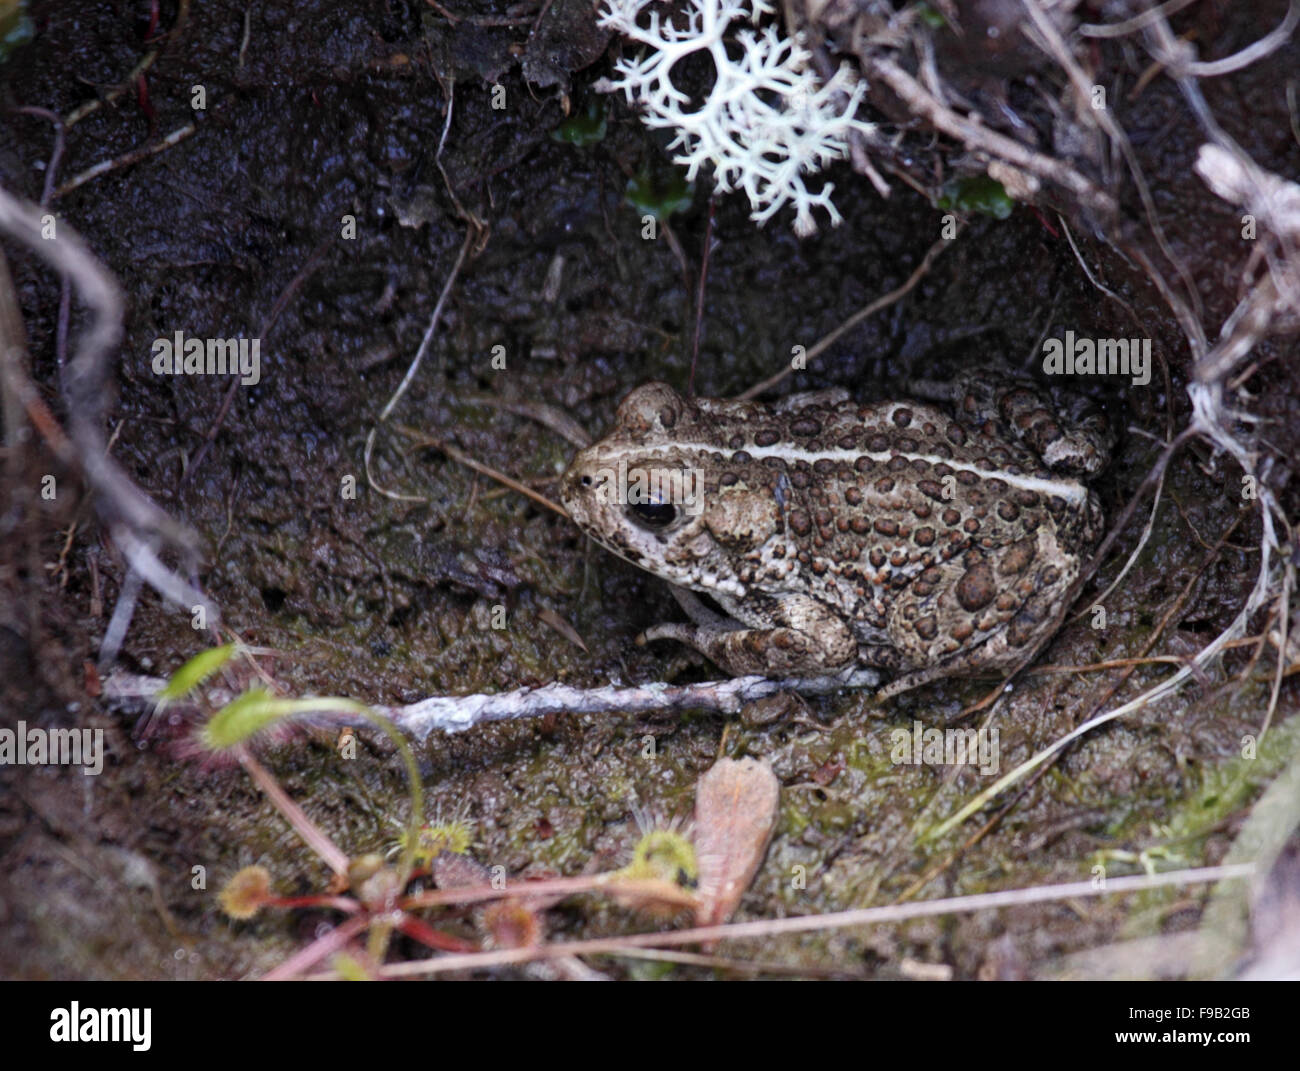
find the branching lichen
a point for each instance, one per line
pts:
(765, 124)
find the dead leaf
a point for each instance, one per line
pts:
(735, 814)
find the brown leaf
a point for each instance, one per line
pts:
(735, 814)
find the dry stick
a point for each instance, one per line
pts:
(52, 167)
(414, 368)
(17, 392)
(128, 158)
(334, 941)
(459, 456)
(456, 713)
(480, 20)
(1137, 22)
(1266, 45)
(248, 32)
(699, 294)
(1235, 178)
(1053, 45)
(540, 15)
(880, 303)
(77, 114)
(979, 138)
(1292, 110)
(1233, 175)
(769, 928)
(1169, 416)
(549, 416)
(1284, 621)
(609, 883)
(133, 518)
(742, 966)
(47, 192)
(281, 303)
(1187, 319)
(1147, 531)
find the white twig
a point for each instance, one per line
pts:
(455, 713)
(1266, 45)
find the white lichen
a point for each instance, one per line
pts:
(765, 124)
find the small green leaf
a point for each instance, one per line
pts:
(979, 193)
(932, 18)
(660, 198)
(583, 128)
(243, 717)
(196, 671)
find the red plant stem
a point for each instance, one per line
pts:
(427, 935)
(320, 948)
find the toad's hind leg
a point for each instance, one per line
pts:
(1064, 428)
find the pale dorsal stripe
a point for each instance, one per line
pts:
(1068, 489)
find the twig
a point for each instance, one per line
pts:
(453, 714)
(979, 138)
(462, 458)
(52, 166)
(128, 158)
(311, 834)
(415, 367)
(446, 125)
(699, 294)
(248, 30)
(1266, 45)
(769, 928)
(480, 20)
(1050, 41)
(134, 520)
(79, 113)
(1137, 22)
(540, 15)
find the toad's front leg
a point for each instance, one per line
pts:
(804, 638)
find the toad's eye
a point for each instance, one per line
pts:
(651, 499)
(653, 515)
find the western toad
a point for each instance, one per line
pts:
(837, 535)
